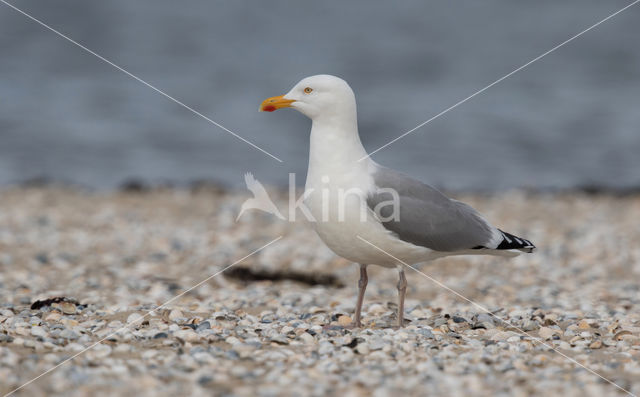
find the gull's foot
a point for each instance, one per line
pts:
(354, 325)
(397, 324)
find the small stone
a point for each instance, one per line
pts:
(426, 333)
(344, 320)
(75, 347)
(418, 313)
(187, 335)
(69, 323)
(439, 322)
(307, 338)
(546, 332)
(22, 331)
(583, 324)
(325, 348)
(620, 335)
(376, 309)
(68, 308)
(203, 326)
(134, 319)
(6, 313)
(175, 315)
(6, 338)
(42, 258)
(363, 348)
(280, 339)
(485, 318)
(529, 325)
(38, 331)
(53, 316)
(376, 343)
(204, 380)
(268, 318)
(68, 334)
(458, 319)
(500, 336)
(149, 354)
(564, 345)
(99, 351)
(245, 350)
(346, 340)
(595, 344)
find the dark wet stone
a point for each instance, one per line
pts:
(203, 325)
(42, 258)
(354, 342)
(160, 335)
(204, 380)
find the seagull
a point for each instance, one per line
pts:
(373, 215)
(260, 200)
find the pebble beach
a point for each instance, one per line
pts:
(81, 268)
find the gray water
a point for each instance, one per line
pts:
(570, 119)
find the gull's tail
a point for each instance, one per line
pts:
(511, 242)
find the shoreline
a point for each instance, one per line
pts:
(140, 185)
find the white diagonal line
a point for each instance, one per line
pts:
(142, 317)
(498, 318)
(497, 81)
(159, 91)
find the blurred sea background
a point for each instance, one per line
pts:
(571, 119)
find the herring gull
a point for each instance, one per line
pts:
(373, 215)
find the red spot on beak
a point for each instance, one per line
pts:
(269, 108)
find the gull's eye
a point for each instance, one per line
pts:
(308, 90)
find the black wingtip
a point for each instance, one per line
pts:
(510, 242)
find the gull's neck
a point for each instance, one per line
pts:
(335, 144)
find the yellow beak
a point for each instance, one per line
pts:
(274, 103)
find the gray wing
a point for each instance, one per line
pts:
(427, 217)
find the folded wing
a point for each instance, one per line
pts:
(427, 217)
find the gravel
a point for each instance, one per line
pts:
(116, 256)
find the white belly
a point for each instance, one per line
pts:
(346, 225)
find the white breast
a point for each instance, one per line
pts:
(337, 186)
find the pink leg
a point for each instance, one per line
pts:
(362, 285)
(402, 290)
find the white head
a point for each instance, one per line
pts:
(321, 97)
